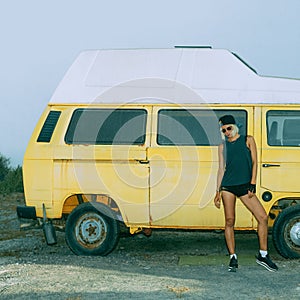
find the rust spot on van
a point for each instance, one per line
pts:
(76, 199)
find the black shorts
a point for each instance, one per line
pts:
(237, 190)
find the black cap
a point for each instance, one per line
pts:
(227, 119)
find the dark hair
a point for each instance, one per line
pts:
(227, 119)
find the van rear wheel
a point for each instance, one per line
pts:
(286, 232)
(92, 229)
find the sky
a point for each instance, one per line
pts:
(40, 40)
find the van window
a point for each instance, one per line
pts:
(190, 127)
(283, 127)
(107, 127)
(48, 127)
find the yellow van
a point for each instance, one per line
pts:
(130, 138)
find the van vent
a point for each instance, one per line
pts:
(48, 127)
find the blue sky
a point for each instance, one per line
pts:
(40, 40)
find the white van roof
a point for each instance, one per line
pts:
(178, 75)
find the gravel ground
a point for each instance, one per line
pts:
(139, 268)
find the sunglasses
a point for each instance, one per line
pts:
(229, 128)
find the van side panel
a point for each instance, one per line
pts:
(183, 176)
(37, 176)
(117, 180)
(117, 171)
(182, 187)
(156, 185)
(38, 170)
(280, 150)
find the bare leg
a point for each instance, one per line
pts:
(260, 215)
(229, 200)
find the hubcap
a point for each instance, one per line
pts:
(91, 230)
(295, 233)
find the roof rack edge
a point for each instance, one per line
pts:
(183, 46)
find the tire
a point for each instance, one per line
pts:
(92, 229)
(286, 232)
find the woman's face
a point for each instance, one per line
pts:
(228, 130)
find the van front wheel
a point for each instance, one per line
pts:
(286, 232)
(92, 229)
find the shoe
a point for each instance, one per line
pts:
(233, 264)
(266, 262)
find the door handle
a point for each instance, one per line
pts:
(270, 165)
(143, 162)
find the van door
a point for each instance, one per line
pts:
(104, 152)
(281, 149)
(183, 167)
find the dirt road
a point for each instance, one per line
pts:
(167, 265)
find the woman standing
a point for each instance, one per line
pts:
(237, 178)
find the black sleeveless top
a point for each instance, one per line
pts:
(238, 162)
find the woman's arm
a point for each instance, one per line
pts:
(221, 166)
(217, 199)
(252, 146)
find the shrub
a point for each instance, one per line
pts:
(11, 179)
(4, 167)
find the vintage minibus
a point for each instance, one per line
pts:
(130, 138)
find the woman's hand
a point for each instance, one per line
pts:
(250, 194)
(252, 190)
(217, 199)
